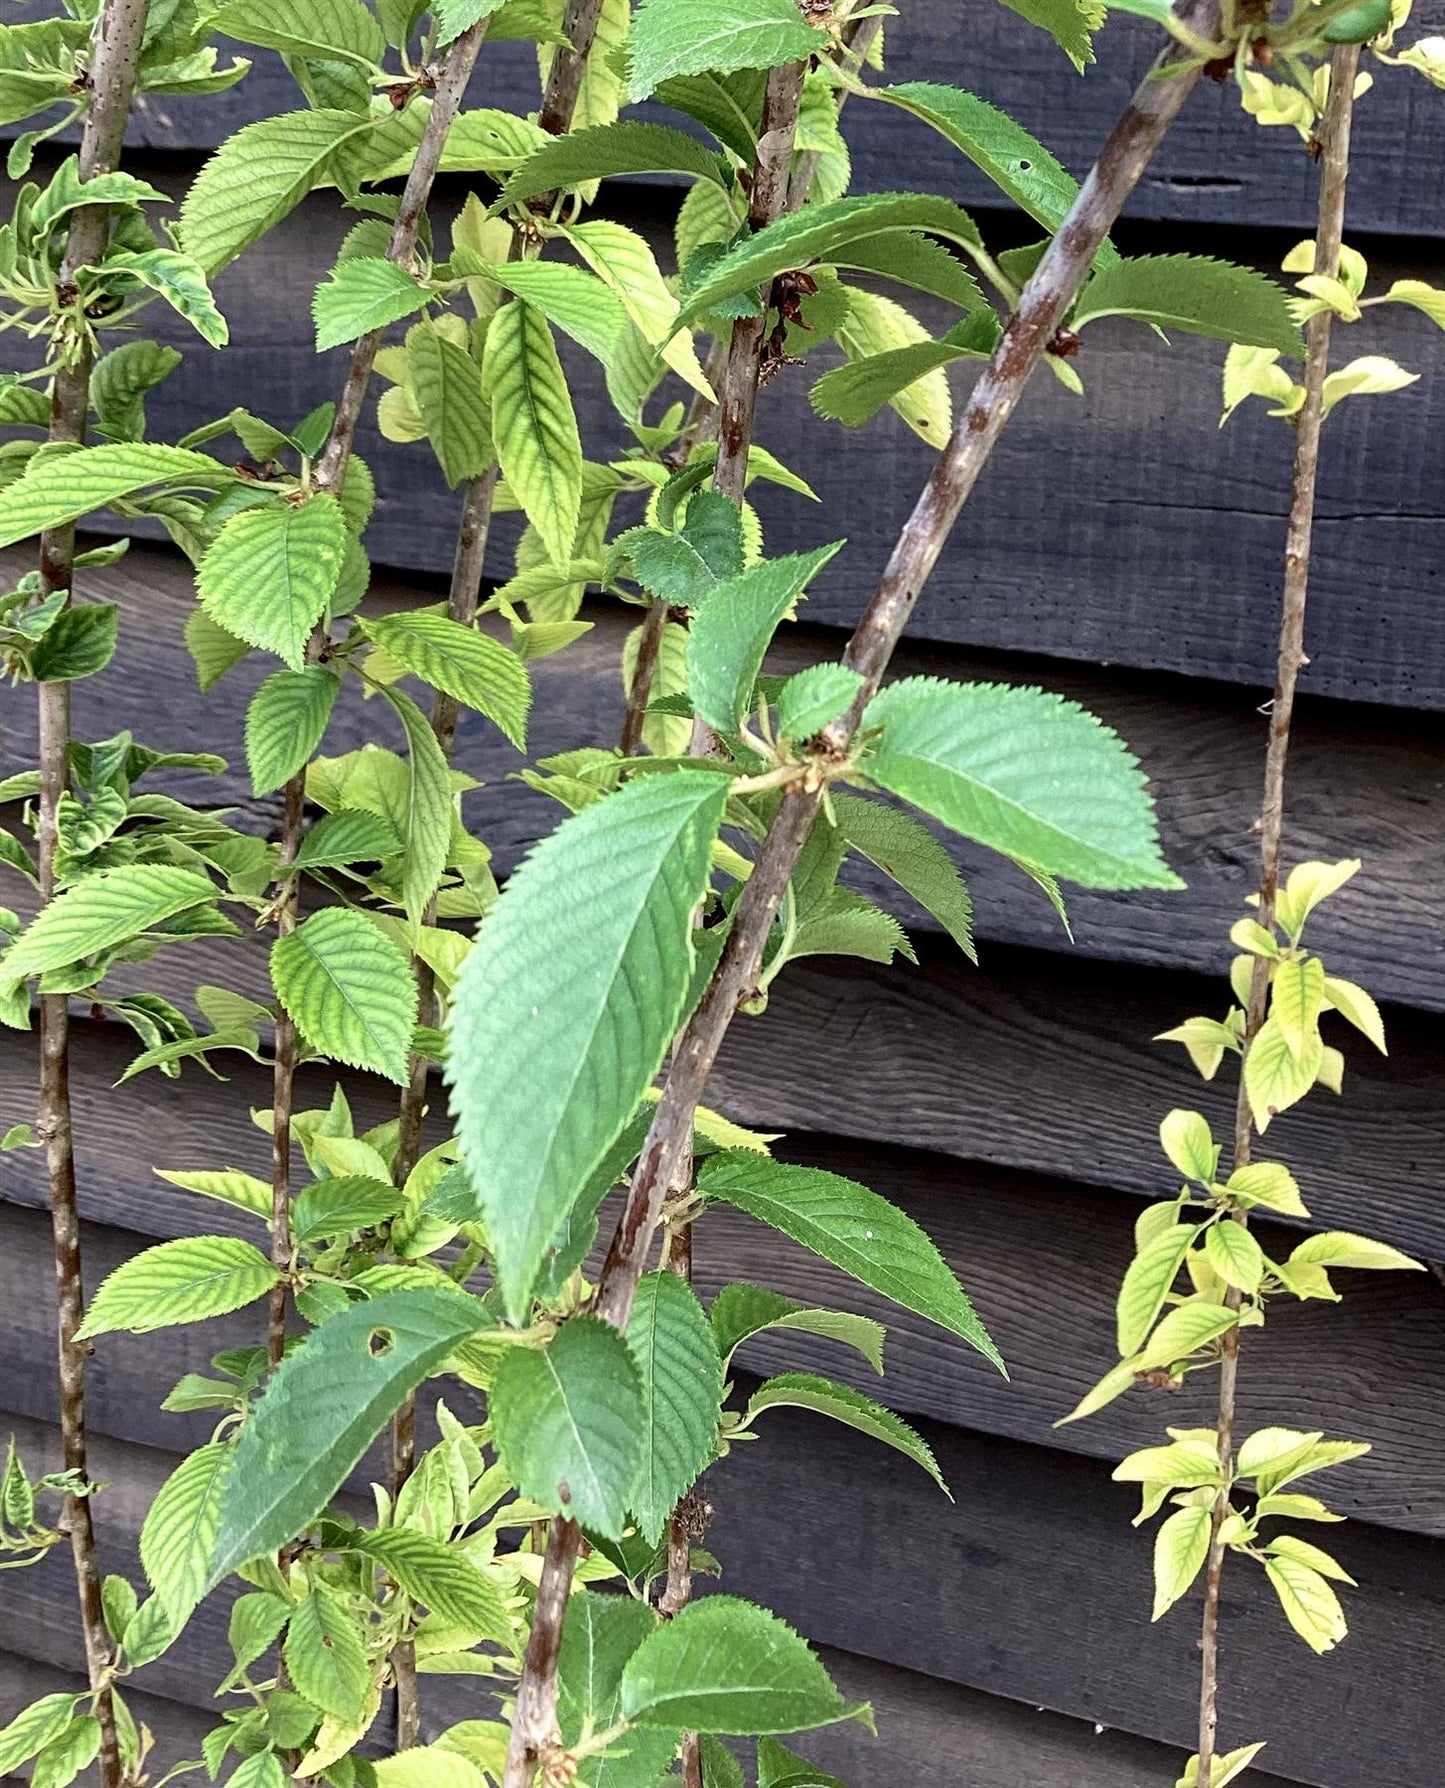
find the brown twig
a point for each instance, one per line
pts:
(1041, 308)
(115, 56)
(639, 690)
(1334, 172)
(564, 83)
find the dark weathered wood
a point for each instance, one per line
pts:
(1123, 527)
(1363, 782)
(1218, 167)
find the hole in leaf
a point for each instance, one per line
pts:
(1024, 166)
(379, 1343)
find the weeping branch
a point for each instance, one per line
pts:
(115, 55)
(1334, 171)
(1041, 309)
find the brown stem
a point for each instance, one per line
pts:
(283, 1077)
(1041, 308)
(1334, 173)
(649, 648)
(564, 83)
(115, 54)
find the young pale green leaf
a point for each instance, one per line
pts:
(1338, 1248)
(733, 628)
(677, 1363)
(569, 1422)
(1150, 1276)
(325, 1656)
(325, 1404)
(67, 1755)
(431, 1573)
(241, 1190)
(1235, 1255)
(256, 177)
(1289, 1545)
(805, 1390)
(181, 281)
(426, 1766)
(1184, 1331)
(811, 698)
(269, 574)
(1297, 997)
(726, 1666)
(874, 327)
(1356, 1007)
(1016, 162)
(1180, 1549)
(628, 147)
(1194, 293)
(903, 848)
(446, 385)
(1275, 1077)
(103, 910)
(1232, 1765)
(174, 1282)
(689, 37)
(341, 1205)
(426, 819)
(363, 293)
(180, 1529)
(213, 651)
(1269, 1183)
(858, 1231)
(349, 989)
(601, 1634)
(825, 233)
(568, 1002)
(1023, 772)
(534, 426)
(63, 487)
(78, 643)
(336, 30)
(623, 260)
(1310, 1605)
(465, 663)
(351, 835)
(33, 1728)
(1186, 1139)
(572, 298)
(740, 1311)
(285, 724)
(119, 385)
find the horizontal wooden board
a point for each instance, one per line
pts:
(1124, 527)
(1215, 166)
(1031, 1585)
(1042, 1261)
(1364, 782)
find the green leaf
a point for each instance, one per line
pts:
(427, 819)
(175, 1282)
(78, 643)
(1235, 1255)
(628, 147)
(325, 1404)
(350, 991)
(465, 663)
(180, 1529)
(1338, 1248)
(1017, 162)
(65, 1756)
(286, 722)
(326, 1658)
(456, 16)
(1148, 1281)
(624, 261)
(903, 848)
(734, 626)
(441, 1579)
(1267, 1182)
(119, 385)
(256, 178)
(740, 1311)
(1297, 997)
(859, 1232)
(677, 1362)
(601, 1634)
(181, 281)
(1275, 1077)
(726, 1666)
(569, 1421)
(825, 233)
(1231, 1766)
(212, 649)
(269, 574)
(813, 697)
(1180, 1549)
(241, 1190)
(33, 1728)
(573, 298)
(1188, 1142)
(350, 835)
(568, 1002)
(688, 37)
(1184, 1331)
(335, 30)
(446, 385)
(1023, 772)
(363, 293)
(1310, 1605)
(341, 1205)
(103, 910)
(61, 487)
(1194, 293)
(534, 425)
(1071, 24)
(805, 1390)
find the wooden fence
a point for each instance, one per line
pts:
(1124, 551)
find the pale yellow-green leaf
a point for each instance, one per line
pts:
(1356, 1007)
(1289, 1545)
(243, 1190)
(534, 426)
(1296, 1000)
(1183, 1332)
(1224, 1769)
(1187, 1141)
(1310, 1606)
(1180, 1549)
(1338, 1248)
(1370, 375)
(1147, 1282)
(624, 262)
(1235, 1255)
(1269, 1183)
(878, 325)
(1274, 1076)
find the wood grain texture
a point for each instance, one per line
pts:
(1123, 527)
(1366, 782)
(1215, 166)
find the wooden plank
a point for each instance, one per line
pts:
(176, 1728)
(1123, 527)
(1030, 1586)
(1042, 1261)
(1361, 781)
(1214, 167)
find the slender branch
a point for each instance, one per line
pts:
(1042, 307)
(564, 83)
(639, 690)
(1334, 173)
(115, 56)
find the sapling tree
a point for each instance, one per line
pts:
(579, 1028)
